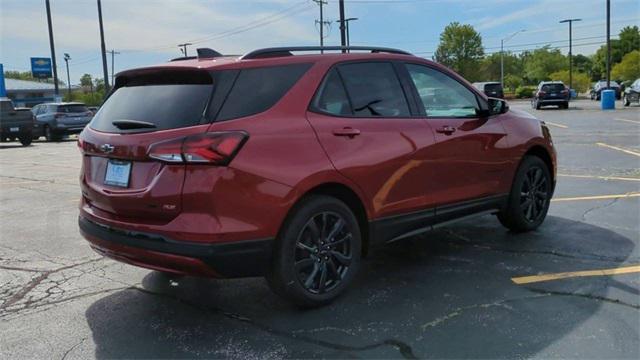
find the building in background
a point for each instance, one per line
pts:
(26, 93)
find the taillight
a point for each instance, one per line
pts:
(541, 93)
(214, 148)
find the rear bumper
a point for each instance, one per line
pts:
(232, 259)
(552, 101)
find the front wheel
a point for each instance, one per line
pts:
(26, 140)
(317, 252)
(529, 198)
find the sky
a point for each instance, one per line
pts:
(147, 32)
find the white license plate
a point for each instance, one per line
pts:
(554, 94)
(117, 173)
(14, 129)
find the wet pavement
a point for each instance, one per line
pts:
(446, 294)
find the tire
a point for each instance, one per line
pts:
(26, 140)
(626, 101)
(314, 261)
(565, 105)
(527, 206)
(50, 135)
(537, 105)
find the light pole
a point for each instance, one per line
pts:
(321, 3)
(502, 54)
(570, 21)
(53, 50)
(346, 23)
(67, 57)
(103, 49)
(343, 40)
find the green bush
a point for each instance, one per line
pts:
(523, 92)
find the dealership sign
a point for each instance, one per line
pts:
(41, 67)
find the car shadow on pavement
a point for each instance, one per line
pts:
(446, 294)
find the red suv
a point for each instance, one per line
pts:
(293, 166)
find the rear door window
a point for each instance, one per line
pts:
(166, 100)
(374, 90)
(74, 108)
(258, 89)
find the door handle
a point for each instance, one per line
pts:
(350, 132)
(447, 130)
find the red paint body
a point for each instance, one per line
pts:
(395, 166)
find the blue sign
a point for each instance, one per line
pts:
(41, 67)
(3, 89)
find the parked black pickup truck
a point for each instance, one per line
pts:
(15, 123)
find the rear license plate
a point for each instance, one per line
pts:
(14, 129)
(554, 94)
(117, 173)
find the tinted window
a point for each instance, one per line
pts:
(374, 90)
(166, 100)
(552, 87)
(6, 106)
(257, 90)
(76, 108)
(332, 98)
(441, 95)
(493, 87)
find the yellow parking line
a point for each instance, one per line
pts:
(618, 148)
(600, 177)
(564, 275)
(599, 197)
(627, 120)
(557, 125)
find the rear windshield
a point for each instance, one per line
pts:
(553, 87)
(166, 100)
(492, 87)
(72, 109)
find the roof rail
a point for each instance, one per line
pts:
(287, 51)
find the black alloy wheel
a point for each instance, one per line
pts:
(534, 194)
(323, 252)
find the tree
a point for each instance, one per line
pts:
(512, 81)
(540, 63)
(86, 80)
(582, 64)
(628, 68)
(460, 48)
(581, 81)
(490, 66)
(629, 39)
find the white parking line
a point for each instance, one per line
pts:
(600, 177)
(556, 125)
(619, 149)
(627, 120)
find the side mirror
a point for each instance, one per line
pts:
(498, 106)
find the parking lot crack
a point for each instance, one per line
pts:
(585, 296)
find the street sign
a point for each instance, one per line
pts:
(41, 67)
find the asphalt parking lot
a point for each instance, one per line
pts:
(471, 290)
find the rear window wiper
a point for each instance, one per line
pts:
(132, 124)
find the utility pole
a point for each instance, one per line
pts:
(608, 43)
(347, 27)
(67, 57)
(570, 21)
(343, 40)
(321, 3)
(113, 54)
(53, 50)
(104, 51)
(502, 54)
(183, 48)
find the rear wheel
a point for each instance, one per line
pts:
(529, 198)
(50, 135)
(26, 140)
(317, 252)
(626, 101)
